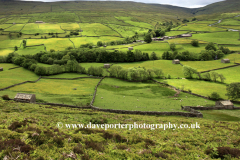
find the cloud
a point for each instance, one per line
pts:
(181, 3)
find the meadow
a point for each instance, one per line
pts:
(229, 22)
(133, 22)
(4, 52)
(116, 94)
(30, 50)
(14, 76)
(230, 78)
(15, 28)
(32, 28)
(218, 37)
(58, 91)
(200, 27)
(10, 43)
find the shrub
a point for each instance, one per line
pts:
(5, 97)
(215, 96)
(195, 43)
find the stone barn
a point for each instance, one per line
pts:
(1, 69)
(224, 104)
(105, 46)
(106, 65)
(130, 48)
(186, 35)
(22, 97)
(39, 22)
(176, 61)
(80, 30)
(225, 61)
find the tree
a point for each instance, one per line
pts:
(148, 38)
(207, 76)
(24, 43)
(130, 56)
(215, 96)
(195, 43)
(153, 56)
(40, 70)
(225, 50)
(173, 46)
(15, 48)
(99, 43)
(115, 70)
(222, 78)
(194, 19)
(211, 46)
(189, 71)
(214, 76)
(233, 91)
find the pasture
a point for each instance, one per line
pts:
(15, 28)
(97, 29)
(204, 88)
(117, 94)
(207, 65)
(14, 76)
(32, 28)
(18, 20)
(175, 70)
(58, 91)
(218, 37)
(30, 50)
(200, 27)
(10, 43)
(4, 52)
(127, 31)
(3, 26)
(229, 22)
(53, 43)
(69, 26)
(231, 74)
(132, 21)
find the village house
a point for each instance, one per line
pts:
(224, 104)
(1, 69)
(130, 48)
(176, 61)
(22, 97)
(106, 65)
(225, 61)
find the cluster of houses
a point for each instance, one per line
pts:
(172, 37)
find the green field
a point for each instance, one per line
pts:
(207, 65)
(53, 43)
(30, 50)
(117, 94)
(231, 74)
(133, 22)
(69, 26)
(58, 91)
(219, 37)
(174, 33)
(18, 20)
(229, 22)
(175, 70)
(200, 27)
(199, 87)
(32, 28)
(15, 28)
(4, 52)
(10, 43)
(127, 31)
(97, 29)
(14, 76)
(84, 40)
(3, 26)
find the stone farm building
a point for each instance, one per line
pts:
(39, 22)
(184, 35)
(130, 48)
(176, 61)
(224, 104)
(106, 65)
(157, 39)
(1, 69)
(22, 97)
(225, 61)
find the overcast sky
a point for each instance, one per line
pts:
(182, 3)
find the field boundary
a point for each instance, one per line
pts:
(208, 108)
(70, 78)
(236, 64)
(95, 92)
(2, 89)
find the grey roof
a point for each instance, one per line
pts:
(226, 59)
(176, 60)
(23, 96)
(226, 102)
(186, 35)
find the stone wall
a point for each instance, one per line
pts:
(2, 89)
(71, 78)
(236, 64)
(187, 108)
(94, 95)
(185, 114)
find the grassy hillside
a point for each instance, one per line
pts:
(32, 131)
